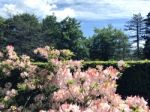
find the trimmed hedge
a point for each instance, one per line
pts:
(135, 79)
(93, 64)
(87, 64)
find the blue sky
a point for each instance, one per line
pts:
(91, 13)
(88, 26)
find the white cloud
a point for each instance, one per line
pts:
(41, 8)
(141, 43)
(61, 14)
(114, 9)
(130, 7)
(82, 9)
(9, 10)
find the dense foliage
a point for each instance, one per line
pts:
(22, 31)
(26, 32)
(61, 86)
(147, 37)
(135, 81)
(109, 43)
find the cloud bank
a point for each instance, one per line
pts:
(80, 9)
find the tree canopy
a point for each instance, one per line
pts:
(26, 32)
(109, 43)
(147, 37)
(22, 31)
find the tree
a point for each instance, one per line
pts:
(50, 31)
(147, 37)
(147, 49)
(109, 43)
(72, 38)
(2, 24)
(65, 34)
(23, 31)
(3, 40)
(136, 28)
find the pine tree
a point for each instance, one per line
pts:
(136, 28)
(147, 37)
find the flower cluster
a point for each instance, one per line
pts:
(50, 53)
(10, 94)
(121, 64)
(1, 55)
(27, 87)
(11, 53)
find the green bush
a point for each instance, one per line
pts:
(135, 79)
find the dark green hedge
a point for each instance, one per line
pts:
(135, 79)
(87, 64)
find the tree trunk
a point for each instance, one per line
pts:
(138, 48)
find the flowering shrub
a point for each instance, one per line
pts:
(23, 83)
(27, 87)
(50, 53)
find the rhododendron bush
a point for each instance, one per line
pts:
(25, 87)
